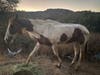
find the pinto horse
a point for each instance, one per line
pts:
(49, 32)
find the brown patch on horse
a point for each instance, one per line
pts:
(63, 37)
(77, 36)
(26, 24)
(19, 24)
(44, 40)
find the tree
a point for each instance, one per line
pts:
(7, 8)
(8, 5)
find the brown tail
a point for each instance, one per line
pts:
(86, 51)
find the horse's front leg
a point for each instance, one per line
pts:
(33, 51)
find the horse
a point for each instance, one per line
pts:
(51, 33)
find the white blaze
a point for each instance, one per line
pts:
(14, 53)
(7, 34)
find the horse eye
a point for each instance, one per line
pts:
(11, 26)
(12, 30)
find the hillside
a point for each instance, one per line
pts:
(55, 14)
(90, 19)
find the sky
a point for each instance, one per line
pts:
(75, 5)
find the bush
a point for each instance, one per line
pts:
(93, 46)
(30, 69)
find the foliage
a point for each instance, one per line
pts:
(33, 69)
(23, 42)
(93, 47)
(8, 5)
(6, 11)
(90, 19)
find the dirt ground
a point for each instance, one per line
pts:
(47, 65)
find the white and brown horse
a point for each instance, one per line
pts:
(50, 33)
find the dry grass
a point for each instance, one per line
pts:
(48, 68)
(47, 65)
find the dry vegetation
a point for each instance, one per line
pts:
(45, 61)
(94, 47)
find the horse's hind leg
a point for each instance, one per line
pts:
(55, 51)
(76, 53)
(80, 56)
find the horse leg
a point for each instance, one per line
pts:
(55, 51)
(35, 49)
(76, 52)
(80, 57)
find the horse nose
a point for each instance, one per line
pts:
(7, 39)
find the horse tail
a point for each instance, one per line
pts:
(86, 50)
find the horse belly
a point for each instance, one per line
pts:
(55, 34)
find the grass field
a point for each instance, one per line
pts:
(47, 67)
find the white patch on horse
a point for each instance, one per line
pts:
(7, 34)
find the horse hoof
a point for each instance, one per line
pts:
(77, 67)
(71, 65)
(58, 65)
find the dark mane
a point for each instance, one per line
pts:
(25, 23)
